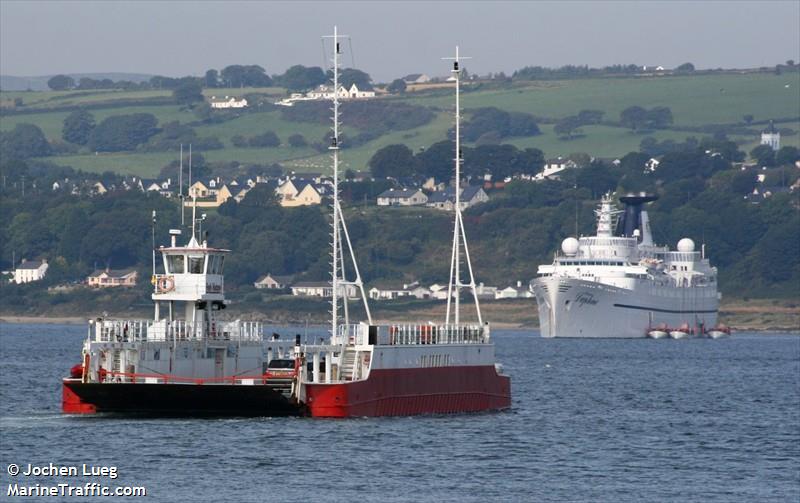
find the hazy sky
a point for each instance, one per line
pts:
(390, 39)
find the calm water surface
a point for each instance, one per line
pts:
(592, 420)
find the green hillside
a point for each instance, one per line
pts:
(695, 101)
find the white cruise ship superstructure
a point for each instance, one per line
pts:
(619, 284)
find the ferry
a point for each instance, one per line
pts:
(187, 361)
(618, 283)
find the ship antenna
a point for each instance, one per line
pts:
(180, 185)
(154, 243)
(339, 227)
(194, 193)
(459, 235)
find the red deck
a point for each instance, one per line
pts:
(413, 391)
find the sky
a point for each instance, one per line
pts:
(390, 39)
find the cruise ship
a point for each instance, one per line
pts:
(619, 284)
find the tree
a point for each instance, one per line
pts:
(78, 126)
(268, 139)
(245, 75)
(122, 132)
(686, 67)
(747, 119)
(743, 182)
(22, 142)
(203, 111)
(567, 126)
(238, 140)
(301, 78)
(590, 116)
(350, 76)
(61, 83)
(297, 140)
(188, 93)
(395, 161)
(787, 155)
(211, 78)
(633, 117)
(437, 161)
(763, 155)
(261, 196)
(397, 86)
(659, 117)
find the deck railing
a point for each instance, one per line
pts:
(437, 334)
(150, 331)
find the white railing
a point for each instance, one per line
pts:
(353, 334)
(163, 330)
(437, 334)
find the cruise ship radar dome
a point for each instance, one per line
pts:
(569, 246)
(685, 245)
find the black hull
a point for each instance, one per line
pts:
(177, 399)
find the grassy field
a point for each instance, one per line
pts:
(48, 99)
(51, 123)
(149, 164)
(694, 101)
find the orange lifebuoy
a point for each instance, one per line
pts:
(166, 284)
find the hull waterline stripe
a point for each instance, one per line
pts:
(654, 309)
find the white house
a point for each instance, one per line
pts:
(771, 137)
(446, 200)
(416, 78)
(553, 167)
(408, 290)
(514, 292)
(321, 289)
(324, 92)
(402, 197)
(228, 102)
(271, 282)
(30, 270)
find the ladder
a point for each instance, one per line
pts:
(348, 367)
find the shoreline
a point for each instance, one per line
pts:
(76, 320)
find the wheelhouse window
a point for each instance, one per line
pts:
(175, 264)
(215, 264)
(196, 265)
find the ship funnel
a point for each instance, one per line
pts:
(630, 223)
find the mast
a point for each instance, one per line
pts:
(339, 227)
(180, 185)
(459, 235)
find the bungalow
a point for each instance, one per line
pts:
(554, 166)
(446, 200)
(402, 197)
(271, 282)
(199, 189)
(300, 193)
(514, 292)
(408, 290)
(110, 278)
(228, 102)
(324, 92)
(320, 289)
(211, 200)
(30, 270)
(416, 78)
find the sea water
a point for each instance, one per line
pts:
(592, 420)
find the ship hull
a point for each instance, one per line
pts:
(570, 307)
(175, 399)
(412, 391)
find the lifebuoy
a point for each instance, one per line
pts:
(166, 284)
